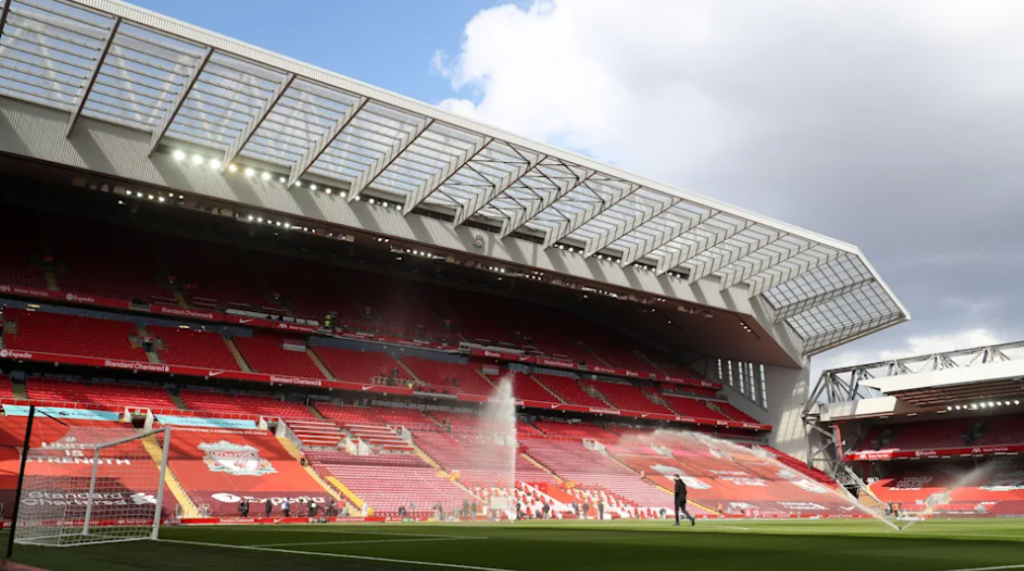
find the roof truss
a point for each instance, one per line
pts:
(109, 61)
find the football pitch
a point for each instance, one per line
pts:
(741, 545)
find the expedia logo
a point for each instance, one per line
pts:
(5, 289)
(80, 298)
(3, 353)
(6, 354)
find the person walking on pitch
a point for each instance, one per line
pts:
(681, 501)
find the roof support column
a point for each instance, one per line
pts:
(254, 124)
(438, 179)
(312, 154)
(179, 100)
(91, 80)
(366, 178)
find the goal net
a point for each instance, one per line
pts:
(90, 484)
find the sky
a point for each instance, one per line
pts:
(897, 126)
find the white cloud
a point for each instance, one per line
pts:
(893, 125)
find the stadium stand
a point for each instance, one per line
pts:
(43, 390)
(388, 482)
(123, 481)
(193, 348)
(409, 418)
(68, 334)
(526, 387)
(20, 257)
(360, 366)
(450, 377)
(266, 353)
(627, 397)
(215, 467)
(115, 261)
(685, 406)
(221, 278)
(235, 404)
(569, 390)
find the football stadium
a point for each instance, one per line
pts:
(255, 313)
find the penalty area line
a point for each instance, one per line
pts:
(996, 568)
(341, 555)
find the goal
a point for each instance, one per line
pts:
(88, 484)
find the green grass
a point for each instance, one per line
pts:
(548, 546)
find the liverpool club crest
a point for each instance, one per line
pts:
(235, 459)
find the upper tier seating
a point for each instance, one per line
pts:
(569, 390)
(693, 407)
(116, 261)
(451, 377)
(524, 387)
(398, 302)
(735, 413)
(474, 315)
(122, 395)
(193, 348)
(67, 334)
(233, 404)
(359, 366)
(628, 397)
(932, 434)
(212, 275)
(20, 248)
(311, 290)
(1007, 429)
(614, 350)
(265, 353)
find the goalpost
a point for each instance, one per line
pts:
(85, 485)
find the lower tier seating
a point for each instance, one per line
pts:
(234, 404)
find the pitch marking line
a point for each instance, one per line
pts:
(344, 556)
(348, 532)
(360, 541)
(997, 568)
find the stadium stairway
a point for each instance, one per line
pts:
(410, 372)
(151, 355)
(526, 456)
(20, 390)
(316, 413)
(297, 455)
(319, 365)
(424, 456)
(548, 389)
(237, 355)
(349, 494)
(188, 507)
(178, 401)
(597, 394)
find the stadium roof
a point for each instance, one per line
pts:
(117, 63)
(962, 376)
